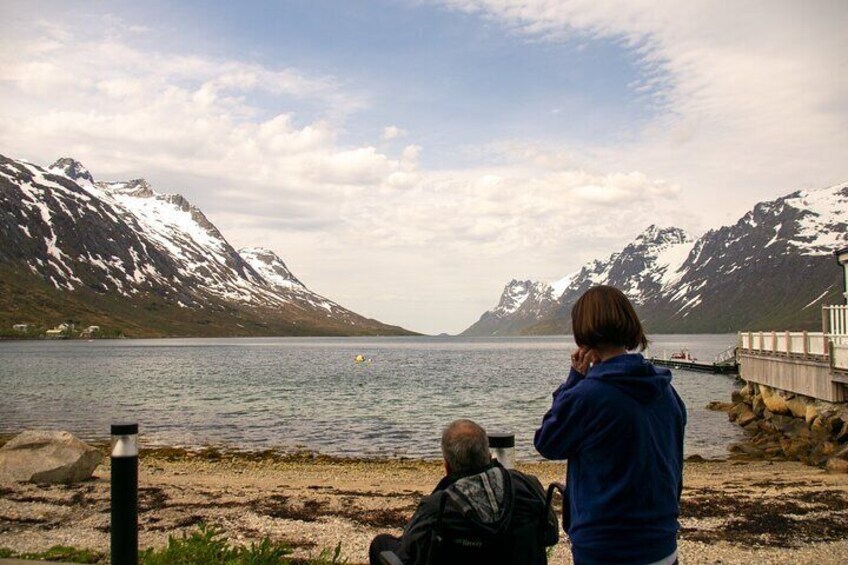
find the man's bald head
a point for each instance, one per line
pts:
(465, 446)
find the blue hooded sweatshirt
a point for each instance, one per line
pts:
(621, 429)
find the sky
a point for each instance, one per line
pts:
(406, 158)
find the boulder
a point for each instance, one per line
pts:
(790, 426)
(798, 448)
(842, 432)
(841, 452)
(820, 429)
(745, 416)
(812, 413)
(717, 406)
(835, 465)
(48, 457)
(797, 406)
(758, 406)
(773, 401)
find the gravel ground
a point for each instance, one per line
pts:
(732, 511)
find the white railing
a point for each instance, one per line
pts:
(835, 321)
(805, 345)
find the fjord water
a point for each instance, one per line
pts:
(308, 392)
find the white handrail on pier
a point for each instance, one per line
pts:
(806, 345)
(835, 323)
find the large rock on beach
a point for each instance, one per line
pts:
(745, 417)
(836, 465)
(797, 407)
(48, 457)
(775, 403)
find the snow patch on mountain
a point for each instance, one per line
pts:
(824, 225)
(270, 267)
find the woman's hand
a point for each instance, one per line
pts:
(583, 358)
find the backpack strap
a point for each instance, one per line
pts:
(436, 535)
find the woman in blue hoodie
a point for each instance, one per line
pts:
(619, 423)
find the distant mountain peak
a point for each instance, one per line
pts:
(656, 235)
(71, 168)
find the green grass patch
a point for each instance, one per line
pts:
(59, 553)
(208, 546)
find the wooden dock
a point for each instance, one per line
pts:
(715, 368)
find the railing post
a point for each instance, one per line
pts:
(824, 321)
(124, 482)
(806, 345)
(762, 342)
(829, 348)
(750, 342)
(774, 343)
(788, 345)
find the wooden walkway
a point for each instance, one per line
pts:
(716, 368)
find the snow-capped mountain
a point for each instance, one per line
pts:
(773, 269)
(123, 241)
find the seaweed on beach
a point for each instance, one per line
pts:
(151, 498)
(282, 507)
(779, 520)
(379, 518)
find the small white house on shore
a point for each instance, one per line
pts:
(21, 327)
(90, 331)
(60, 331)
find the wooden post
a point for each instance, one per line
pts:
(788, 345)
(824, 321)
(806, 345)
(774, 343)
(829, 350)
(750, 342)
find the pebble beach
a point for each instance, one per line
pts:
(733, 511)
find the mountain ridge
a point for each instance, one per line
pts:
(96, 244)
(765, 272)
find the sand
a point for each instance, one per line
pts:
(732, 511)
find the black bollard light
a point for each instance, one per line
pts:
(124, 494)
(502, 447)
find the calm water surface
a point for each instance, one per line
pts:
(308, 392)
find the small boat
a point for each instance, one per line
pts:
(683, 355)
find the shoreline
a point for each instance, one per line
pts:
(733, 511)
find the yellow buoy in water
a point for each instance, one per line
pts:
(359, 358)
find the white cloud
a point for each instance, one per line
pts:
(751, 96)
(754, 101)
(392, 132)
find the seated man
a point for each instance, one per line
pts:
(483, 501)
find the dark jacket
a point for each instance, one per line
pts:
(504, 507)
(621, 429)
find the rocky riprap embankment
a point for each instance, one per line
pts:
(789, 426)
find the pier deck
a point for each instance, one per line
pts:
(715, 368)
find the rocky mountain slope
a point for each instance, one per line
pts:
(121, 255)
(771, 270)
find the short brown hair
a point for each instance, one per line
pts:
(465, 446)
(604, 316)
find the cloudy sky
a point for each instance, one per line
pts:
(408, 158)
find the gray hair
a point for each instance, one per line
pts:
(465, 446)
